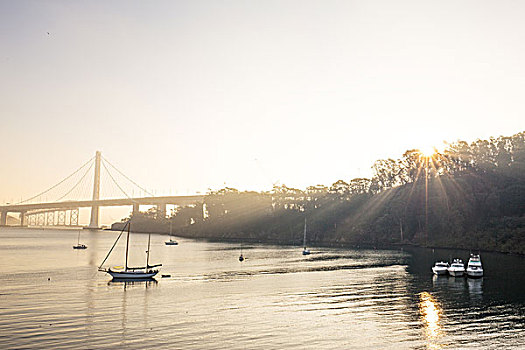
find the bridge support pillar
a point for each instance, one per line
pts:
(23, 222)
(3, 218)
(161, 210)
(136, 209)
(93, 222)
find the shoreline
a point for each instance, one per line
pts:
(365, 245)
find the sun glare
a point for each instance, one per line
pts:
(428, 151)
(431, 147)
(431, 313)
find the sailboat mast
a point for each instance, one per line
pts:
(170, 227)
(78, 240)
(304, 237)
(127, 245)
(147, 252)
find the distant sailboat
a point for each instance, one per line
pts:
(79, 246)
(130, 273)
(171, 241)
(305, 251)
(241, 257)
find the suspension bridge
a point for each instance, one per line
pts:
(60, 204)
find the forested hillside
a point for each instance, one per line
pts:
(469, 195)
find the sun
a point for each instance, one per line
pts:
(428, 151)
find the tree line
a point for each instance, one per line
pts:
(470, 195)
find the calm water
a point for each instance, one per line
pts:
(52, 297)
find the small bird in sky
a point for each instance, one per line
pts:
(47, 33)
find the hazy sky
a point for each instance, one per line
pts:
(189, 95)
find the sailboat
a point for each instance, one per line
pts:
(241, 257)
(171, 241)
(130, 273)
(305, 251)
(79, 246)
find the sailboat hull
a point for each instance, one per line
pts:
(132, 275)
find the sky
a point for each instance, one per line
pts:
(186, 96)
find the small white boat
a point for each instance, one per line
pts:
(456, 269)
(305, 251)
(474, 268)
(171, 241)
(440, 268)
(79, 246)
(126, 272)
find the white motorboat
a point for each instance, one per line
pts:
(440, 268)
(126, 272)
(474, 268)
(456, 269)
(305, 250)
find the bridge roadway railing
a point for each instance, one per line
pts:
(160, 202)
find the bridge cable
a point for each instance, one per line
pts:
(127, 178)
(87, 190)
(61, 182)
(78, 192)
(111, 176)
(108, 184)
(82, 178)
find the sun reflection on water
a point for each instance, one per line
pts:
(431, 314)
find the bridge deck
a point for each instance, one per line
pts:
(177, 200)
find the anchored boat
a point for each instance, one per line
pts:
(127, 272)
(171, 241)
(474, 268)
(456, 269)
(79, 246)
(305, 251)
(440, 268)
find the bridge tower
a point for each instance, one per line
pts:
(93, 223)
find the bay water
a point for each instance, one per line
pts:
(53, 297)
